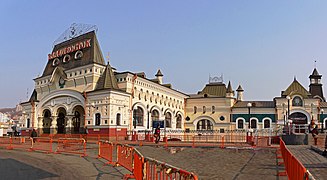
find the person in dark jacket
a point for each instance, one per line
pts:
(33, 135)
(157, 134)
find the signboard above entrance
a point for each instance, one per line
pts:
(160, 123)
(72, 48)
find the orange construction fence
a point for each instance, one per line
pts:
(42, 144)
(106, 150)
(294, 168)
(71, 146)
(140, 167)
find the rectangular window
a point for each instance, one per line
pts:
(222, 130)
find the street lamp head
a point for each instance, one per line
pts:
(249, 105)
(288, 97)
(322, 111)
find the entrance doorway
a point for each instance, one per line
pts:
(46, 121)
(77, 122)
(300, 121)
(61, 121)
(78, 119)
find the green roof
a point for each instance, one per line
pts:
(107, 80)
(215, 89)
(296, 88)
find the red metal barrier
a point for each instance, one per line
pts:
(20, 143)
(125, 156)
(106, 150)
(147, 168)
(294, 168)
(138, 167)
(156, 170)
(42, 144)
(71, 146)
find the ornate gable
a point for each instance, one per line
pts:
(76, 52)
(296, 88)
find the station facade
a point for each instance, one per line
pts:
(78, 89)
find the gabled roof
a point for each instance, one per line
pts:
(296, 88)
(255, 104)
(107, 80)
(214, 89)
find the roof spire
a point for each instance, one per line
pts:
(108, 57)
(239, 88)
(229, 87)
(159, 73)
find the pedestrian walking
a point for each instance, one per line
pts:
(313, 129)
(157, 134)
(33, 137)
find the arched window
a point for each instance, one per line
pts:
(204, 109)
(266, 123)
(297, 101)
(240, 124)
(195, 109)
(77, 121)
(118, 119)
(204, 124)
(253, 124)
(168, 119)
(138, 117)
(28, 122)
(179, 121)
(213, 109)
(155, 115)
(97, 119)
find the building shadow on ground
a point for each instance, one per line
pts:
(13, 169)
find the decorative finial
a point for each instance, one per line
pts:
(108, 57)
(294, 78)
(315, 64)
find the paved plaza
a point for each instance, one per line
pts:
(311, 159)
(208, 163)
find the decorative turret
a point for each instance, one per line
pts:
(239, 93)
(315, 87)
(159, 76)
(229, 91)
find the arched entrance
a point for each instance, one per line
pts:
(46, 121)
(300, 121)
(61, 120)
(78, 119)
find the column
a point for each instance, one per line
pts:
(40, 125)
(69, 126)
(53, 127)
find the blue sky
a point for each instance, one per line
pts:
(260, 44)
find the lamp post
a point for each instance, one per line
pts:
(288, 107)
(284, 116)
(249, 105)
(321, 119)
